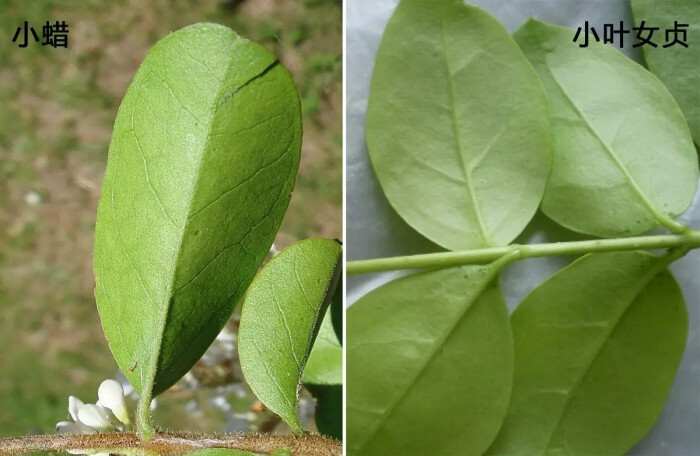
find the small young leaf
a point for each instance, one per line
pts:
(676, 65)
(430, 363)
(280, 318)
(457, 125)
(623, 159)
(329, 409)
(596, 350)
(201, 164)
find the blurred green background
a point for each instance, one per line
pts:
(57, 107)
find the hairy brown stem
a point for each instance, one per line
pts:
(172, 443)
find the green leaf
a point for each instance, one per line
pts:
(623, 158)
(596, 350)
(280, 318)
(676, 66)
(337, 311)
(430, 363)
(329, 409)
(457, 125)
(323, 373)
(219, 452)
(325, 363)
(201, 164)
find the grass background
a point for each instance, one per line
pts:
(57, 107)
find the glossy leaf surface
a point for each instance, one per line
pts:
(623, 159)
(202, 161)
(597, 347)
(676, 65)
(457, 125)
(280, 319)
(430, 362)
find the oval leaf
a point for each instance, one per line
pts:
(596, 350)
(677, 65)
(201, 164)
(457, 125)
(430, 362)
(280, 318)
(623, 159)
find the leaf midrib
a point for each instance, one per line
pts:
(486, 237)
(661, 218)
(612, 327)
(488, 279)
(153, 365)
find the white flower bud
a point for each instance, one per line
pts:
(74, 405)
(95, 416)
(107, 415)
(111, 396)
(69, 427)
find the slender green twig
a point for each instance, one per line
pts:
(170, 443)
(690, 240)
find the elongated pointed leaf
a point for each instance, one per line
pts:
(280, 319)
(457, 125)
(623, 158)
(202, 161)
(430, 362)
(676, 65)
(596, 350)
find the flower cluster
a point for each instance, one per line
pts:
(108, 414)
